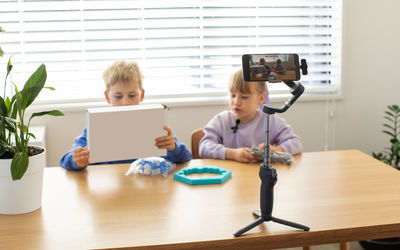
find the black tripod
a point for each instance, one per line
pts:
(267, 172)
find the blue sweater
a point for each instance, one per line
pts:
(178, 155)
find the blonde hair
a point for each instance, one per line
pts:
(121, 71)
(237, 83)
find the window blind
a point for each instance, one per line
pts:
(184, 48)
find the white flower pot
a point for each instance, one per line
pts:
(24, 195)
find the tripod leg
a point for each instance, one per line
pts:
(290, 224)
(247, 228)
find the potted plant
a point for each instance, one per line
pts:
(17, 157)
(391, 156)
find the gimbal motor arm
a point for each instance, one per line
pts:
(296, 89)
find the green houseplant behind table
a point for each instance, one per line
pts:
(391, 156)
(17, 157)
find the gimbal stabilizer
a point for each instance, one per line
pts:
(267, 172)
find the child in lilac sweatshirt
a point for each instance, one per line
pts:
(227, 138)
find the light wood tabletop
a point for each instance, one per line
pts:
(341, 195)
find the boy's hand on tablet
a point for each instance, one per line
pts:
(81, 156)
(166, 142)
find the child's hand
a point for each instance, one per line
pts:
(276, 149)
(81, 156)
(272, 148)
(240, 155)
(261, 146)
(166, 142)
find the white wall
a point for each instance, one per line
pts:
(371, 37)
(370, 73)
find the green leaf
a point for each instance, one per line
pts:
(5, 146)
(389, 133)
(11, 120)
(28, 96)
(33, 86)
(378, 156)
(16, 103)
(9, 66)
(51, 88)
(14, 108)
(19, 100)
(3, 107)
(52, 112)
(32, 135)
(394, 141)
(9, 124)
(396, 148)
(388, 126)
(388, 118)
(19, 165)
(394, 108)
(389, 113)
(8, 103)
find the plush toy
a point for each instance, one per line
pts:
(276, 157)
(151, 166)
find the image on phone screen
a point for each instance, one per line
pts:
(271, 67)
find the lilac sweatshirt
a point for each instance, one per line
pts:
(219, 135)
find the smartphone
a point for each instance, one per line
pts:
(271, 67)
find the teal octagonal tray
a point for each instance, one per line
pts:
(184, 175)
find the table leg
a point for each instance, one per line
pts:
(344, 246)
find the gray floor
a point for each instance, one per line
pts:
(353, 246)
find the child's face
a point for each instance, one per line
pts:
(124, 94)
(244, 105)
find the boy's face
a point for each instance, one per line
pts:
(244, 105)
(124, 94)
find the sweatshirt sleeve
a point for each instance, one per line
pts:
(211, 144)
(283, 135)
(66, 160)
(179, 154)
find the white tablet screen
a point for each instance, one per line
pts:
(124, 132)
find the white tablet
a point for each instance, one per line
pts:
(124, 132)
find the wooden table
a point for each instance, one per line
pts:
(340, 195)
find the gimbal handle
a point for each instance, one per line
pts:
(267, 173)
(296, 89)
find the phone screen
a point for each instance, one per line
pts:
(271, 67)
